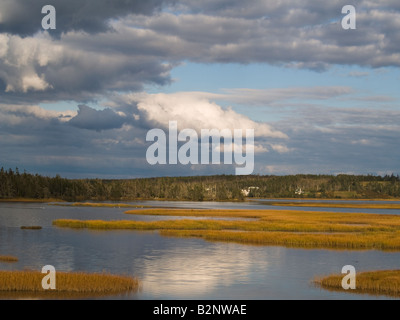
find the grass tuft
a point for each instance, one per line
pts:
(31, 281)
(385, 282)
(8, 259)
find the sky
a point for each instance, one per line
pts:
(79, 100)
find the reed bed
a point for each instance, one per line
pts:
(200, 213)
(295, 240)
(385, 282)
(8, 259)
(188, 224)
(268, 227)
(31, 281)
(279, 216)
(336, 205)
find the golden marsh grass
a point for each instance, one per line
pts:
(268, 227)
(337, 205)
(295, 240)
(386, 282)
(8, 259)
(31, 281)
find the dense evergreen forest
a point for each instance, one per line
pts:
(15, 185)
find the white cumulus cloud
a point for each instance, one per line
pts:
(195, 111)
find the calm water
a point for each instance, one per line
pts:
(173, 268)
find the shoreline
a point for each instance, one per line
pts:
(335, 205)
(327, 199)
(249, 200)
(30, 200)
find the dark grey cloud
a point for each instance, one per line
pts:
(288, 37)
(91, 119)
(140, 50)
(24, 17)
(293, 12)
(42, 141)
(48, 69)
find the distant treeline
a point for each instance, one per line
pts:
(14, 184)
